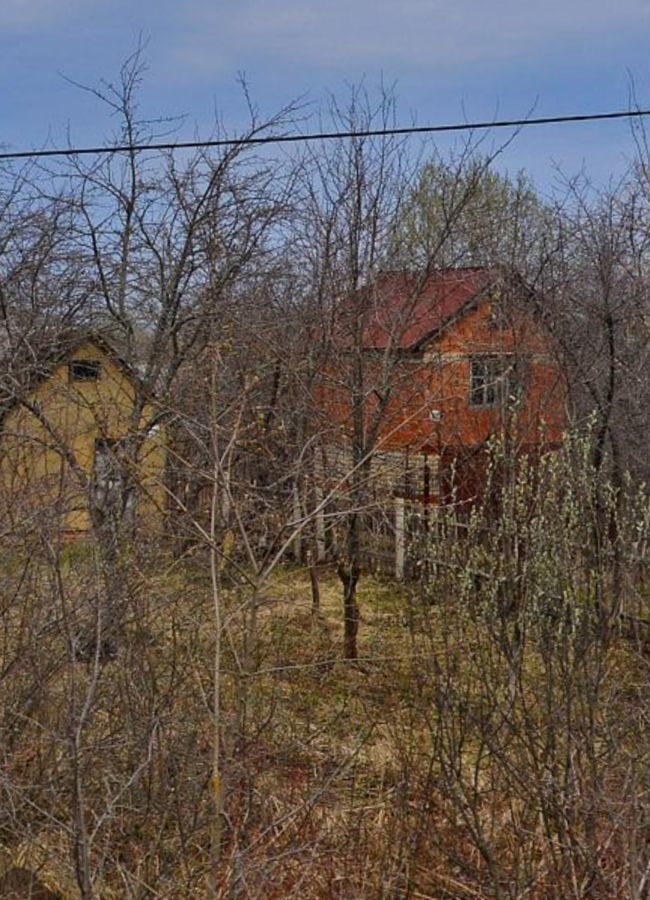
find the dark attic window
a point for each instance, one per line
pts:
(84, 370)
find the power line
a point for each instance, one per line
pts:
(328, 135)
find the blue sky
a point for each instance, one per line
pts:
(449, 59)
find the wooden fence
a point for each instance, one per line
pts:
(396, 536)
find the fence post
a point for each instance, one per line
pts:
(400, 539)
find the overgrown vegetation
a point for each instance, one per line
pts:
(491, 740)
(221, 701)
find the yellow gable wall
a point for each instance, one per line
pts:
(33, 458)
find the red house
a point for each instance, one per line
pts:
(452, 357)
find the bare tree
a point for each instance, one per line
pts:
(160, 245)
(358, 196)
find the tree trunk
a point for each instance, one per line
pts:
(349, 572)
(315, 587)
(350, 617)
(110, 514)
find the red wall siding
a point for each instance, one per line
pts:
(441, 381)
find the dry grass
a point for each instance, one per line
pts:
(424, 770)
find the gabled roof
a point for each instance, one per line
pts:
(404, 310)
(25, 369)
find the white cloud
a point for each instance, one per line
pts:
(373, 33)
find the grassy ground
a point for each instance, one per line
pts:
(464, 755)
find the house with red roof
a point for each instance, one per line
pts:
(449, 358)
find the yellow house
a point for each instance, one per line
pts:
(64, 421)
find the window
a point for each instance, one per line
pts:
(495, 380)
(84, 370)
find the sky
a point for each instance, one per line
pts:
(447, 61)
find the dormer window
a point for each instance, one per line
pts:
(84, 370)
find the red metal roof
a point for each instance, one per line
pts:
(402, 309)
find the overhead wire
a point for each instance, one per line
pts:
(324, 135)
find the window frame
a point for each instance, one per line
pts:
(93, 370)
(501, 382)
